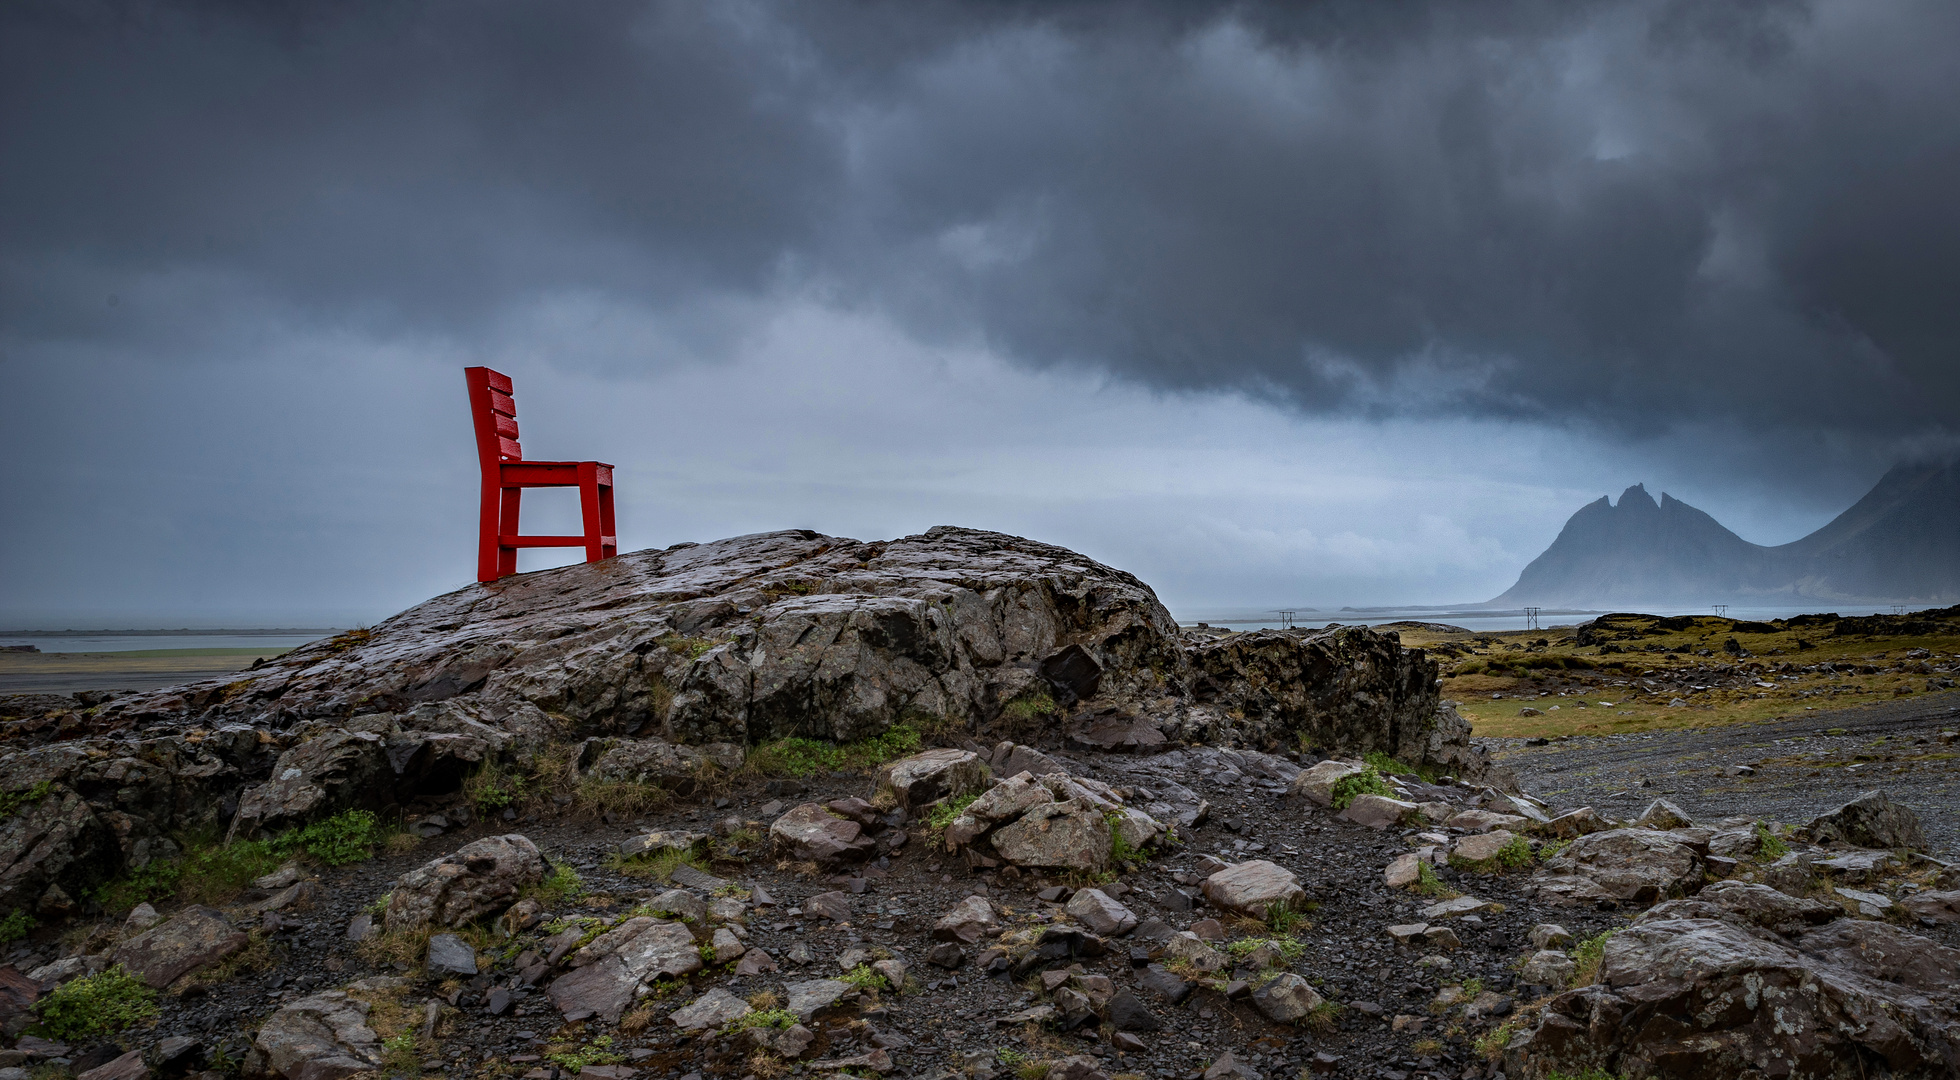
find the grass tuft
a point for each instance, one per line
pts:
(1351, 787)
(797, 757)
(1587, 954)
(98, 1005)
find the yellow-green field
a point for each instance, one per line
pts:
(1625, 673)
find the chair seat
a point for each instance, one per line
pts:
(549, 473)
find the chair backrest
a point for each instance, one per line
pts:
(495, 413)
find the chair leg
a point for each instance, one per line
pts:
(507, 525)
(486, 544)
(588, 501)
(606, 527)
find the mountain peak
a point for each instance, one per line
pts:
(1636, 498)
(1900, 542)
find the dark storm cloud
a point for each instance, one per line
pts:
(1636, 214)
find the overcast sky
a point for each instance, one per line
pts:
(1306, 305)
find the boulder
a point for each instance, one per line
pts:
(1096, 910)
(1939, 907)
(1317, 783)
(1548, 967)
(812, 996)
(713, 1009)
(967, 921)
(1403, 871)
(813, 832)
(18, 993)
(193, 939)
(1663, 815)
(1010, 758)
(1869, 821)
(1634, 865)
(1286, 998)
(322, 1037)
(1481, 847)
(57, 838)
(659, 763)
(475, 881)
(912, 782)
(661, 841)
(613, 969)
(833, 905)
(1069, 835)
(1253, 888)
(1378, 811)
(1701, 997)
(450, 955)
(1575, 823)
(130, 1066)
(1188, 947)
(679, 904)
(1485, 820)
(334, 771)
(1010, 798)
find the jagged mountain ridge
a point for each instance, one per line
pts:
(1900, 543)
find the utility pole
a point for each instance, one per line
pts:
(1286, 617)
(1721, 610)
(1531, 618)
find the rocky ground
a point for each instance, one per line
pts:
(1407, 1008)
(1787, 770)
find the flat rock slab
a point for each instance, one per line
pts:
(611, 970)
(194, 938)
(967, 921)
(1482, 847)
(711, 1010)
(450, 955)
(1378, 811)
(322, 1037)
(811, 831)
(812, 996)
(1253, 888)
(1096, 910)
(1455, 908)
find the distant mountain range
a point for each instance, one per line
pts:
(1898, 544)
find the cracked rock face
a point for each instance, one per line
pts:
(479, 879)
(1719, 996)
(323, 1037)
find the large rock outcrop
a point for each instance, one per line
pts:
(711, 648)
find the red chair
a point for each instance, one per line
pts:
(506, 474)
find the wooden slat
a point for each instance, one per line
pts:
(507, 426)
(502, 403)
(497, 380)
(510, 448)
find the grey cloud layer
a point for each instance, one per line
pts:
(1629, 213)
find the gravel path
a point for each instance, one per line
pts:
(1802, 767)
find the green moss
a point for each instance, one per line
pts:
(690, 647)
(1351, 787)
(12, 802)
(598, 1052)
(561, 886)
(1120, 850)
(799, 757)
(98, 1005)
(864, 978)
(1030, 707)
(492, 787)
(779, 1019)
(1587, 955)
(346, 837)
(1769, 846)
(16, 926)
